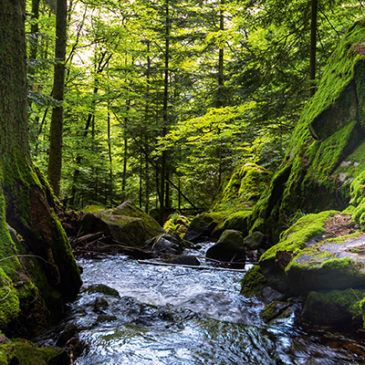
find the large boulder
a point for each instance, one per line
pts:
(126, 224)
(228, 248)
(340, 308)
(200, 228)
(326, 153)
(165, 246)
(233, 206)
(319, 252)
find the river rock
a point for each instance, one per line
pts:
(228, 248)
(200, 228)
(184, 260)
(275, 310)
(177, 225)
(165, 245)
(254, 241)
(319, 252)
(126, 224)
(339, 308)
(103, 289)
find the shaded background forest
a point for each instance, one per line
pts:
(163, 99)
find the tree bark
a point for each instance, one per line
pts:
(111, 181)
(164, 168)
(220, 96)
(313, 46)
(56, 131)
(25, 202)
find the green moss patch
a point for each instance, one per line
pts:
(253, 282)
(335, 307)
(23, 352)
(297, 236)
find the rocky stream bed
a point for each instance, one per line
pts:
(179, 315)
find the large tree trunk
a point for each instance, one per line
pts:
(55, 148)
(26, 204)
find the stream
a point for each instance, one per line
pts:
(178, 315)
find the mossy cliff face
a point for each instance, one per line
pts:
(327, 149)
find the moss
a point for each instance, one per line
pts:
(358, 189)
(243, 189)
(9, 300)
(23, 352)
(177, 225)
(313, 176)
(274, 310)
(93, 209)
(296, 237)
(335, 307)
(238, 221)
(233, 206)
(65, 261)
(253, 282)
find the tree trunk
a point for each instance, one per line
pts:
(56, 131)
(111, 182)
(25, 203)
(313, 46)
(34, 31)
(220, 96)
(164, 157)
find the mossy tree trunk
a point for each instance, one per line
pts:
(26, 203)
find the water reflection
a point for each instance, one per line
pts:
(182, 316)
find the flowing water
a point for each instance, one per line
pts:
(178, 315)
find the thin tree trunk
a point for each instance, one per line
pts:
(102, 64)
(313, 46)
(164, 169)
(140, 195)
(56, 131)
(111, 182)
(220, 96)
(147, 108)
(34, 31)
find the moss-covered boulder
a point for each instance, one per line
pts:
(229, 247)
(253, 282)
(326, 152)
(340, 308)
(276, 309)
(201, 228)
(126, 224)
(177, 225)
(233, 206)
(319, 252)
(23, 352)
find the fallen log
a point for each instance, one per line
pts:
(85, 238)
(190, 266)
